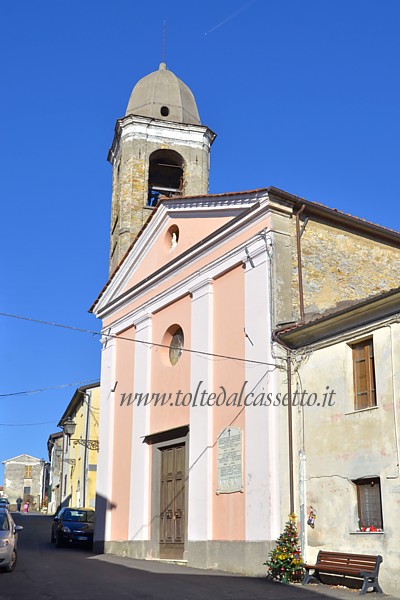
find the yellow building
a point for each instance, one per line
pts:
(80, 424)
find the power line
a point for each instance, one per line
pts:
(26, 424)
(40, 321)
(151, 344)
(45, 389)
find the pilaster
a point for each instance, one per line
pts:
(200, 436)
(106, 441)
(261, 444)
(139, 505)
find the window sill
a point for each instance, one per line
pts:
(361, 410)
(367, 532)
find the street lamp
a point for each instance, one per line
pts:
(69, 427)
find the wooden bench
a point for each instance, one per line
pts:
(360, 566)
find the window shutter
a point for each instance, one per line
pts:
(364, 375)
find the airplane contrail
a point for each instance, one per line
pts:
(232, 16)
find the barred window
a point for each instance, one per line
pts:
(364, 374)
(369, 503)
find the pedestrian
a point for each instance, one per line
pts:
(19, 502)
(26, 506)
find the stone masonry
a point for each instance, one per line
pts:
(136, 138)
(22, 477)
(339, 266)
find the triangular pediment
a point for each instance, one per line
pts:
(22, 458)
(178, 225)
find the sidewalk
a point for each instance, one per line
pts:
(288, 591)
(344, 593)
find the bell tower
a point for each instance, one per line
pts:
(159, 149)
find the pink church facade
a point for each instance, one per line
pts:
(213, 286)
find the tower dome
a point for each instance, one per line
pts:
(162, 95)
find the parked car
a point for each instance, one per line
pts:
(72, 525)
(8, 541)
(4, 503)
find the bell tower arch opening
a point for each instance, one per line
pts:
(166, 175)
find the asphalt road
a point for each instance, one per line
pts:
(45, 572)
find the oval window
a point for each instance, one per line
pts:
(176, 346)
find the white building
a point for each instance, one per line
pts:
(347, 437)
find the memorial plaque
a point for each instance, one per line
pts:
(229, 461)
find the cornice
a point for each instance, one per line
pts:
(216, 239)
(198, 283)
(201, 203)
(146, 121)
(110, 301)
(153, 130)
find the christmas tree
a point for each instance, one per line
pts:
(284, 562)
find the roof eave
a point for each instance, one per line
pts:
(338, 217)
(366, 312)
(75, 400)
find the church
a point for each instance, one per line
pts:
(209, 317)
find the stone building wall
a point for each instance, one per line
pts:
(340, 266)
(15, 479)
(55, 475)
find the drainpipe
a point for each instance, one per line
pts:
(396, 432)
(62, 472)
(303, 495)
(299, 265)
(85, 455)
(275, 338)
(290, 418)
(290, 431)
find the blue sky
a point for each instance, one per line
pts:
(303, 95)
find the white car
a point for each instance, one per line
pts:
(8, 541)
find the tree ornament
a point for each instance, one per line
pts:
(312, 515)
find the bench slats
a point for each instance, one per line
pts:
(353, 564)
(346, 560)
(323, 553)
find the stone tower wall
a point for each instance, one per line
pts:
(130, 160)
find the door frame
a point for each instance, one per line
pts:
(165, 439)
